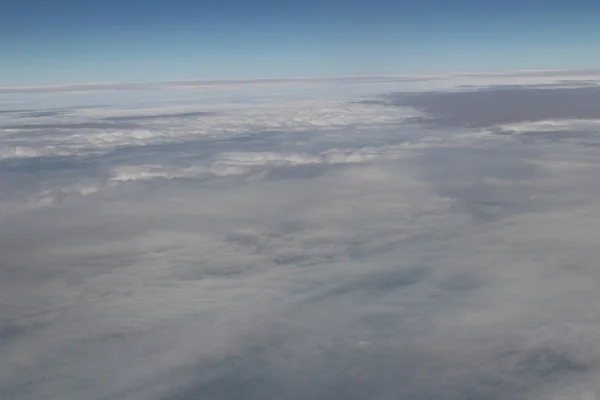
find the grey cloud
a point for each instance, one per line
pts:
(161, 116)
(298, 172)
(463, 268)
(305, 340)
(379, 283)
(13, 111)
(482, 108)
(560, 84)
(73, 88)
(73, 125)
(40, 114)
(488, 184)
(388, 373)
(534, 74)
(209, 83)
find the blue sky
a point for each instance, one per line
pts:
(45, 42)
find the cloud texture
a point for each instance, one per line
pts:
(257, 243)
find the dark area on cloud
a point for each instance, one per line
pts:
(13, 111)
(40, 114)
(483, 108)
(388, 373)
(534, 74)
(38, 165)
(10, 331)
(298, 172)
(74, 125)
(33, 113)
(161, 116)
(489, 184)
(581, 136)
(560, 84)
(378, 283)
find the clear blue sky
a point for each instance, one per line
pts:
(60, 41)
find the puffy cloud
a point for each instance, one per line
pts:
(61, 138)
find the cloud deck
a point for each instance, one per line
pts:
(347, 239)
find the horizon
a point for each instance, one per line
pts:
(133, 84)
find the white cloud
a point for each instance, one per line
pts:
(294, 117)
(562, 125)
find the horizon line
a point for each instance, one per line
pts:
(119, 85)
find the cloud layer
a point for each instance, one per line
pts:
(297, 244)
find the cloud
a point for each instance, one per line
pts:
(482, 108)
(296, 249)
(160, 116)
(243, 163)
(104, 130)
(115, 86)
(546, 127)
(85, 125)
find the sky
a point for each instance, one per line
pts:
(66, 41)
